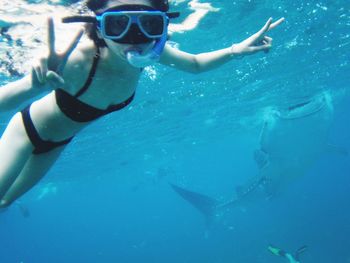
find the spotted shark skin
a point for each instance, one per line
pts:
(291, 141)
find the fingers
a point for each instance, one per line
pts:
(265, 28)
(54, 79)
(56, 62)
(42, 75)
(264, 44)
(65, 55)
(73, 44)
(36, 71)
(260, 34)
(35, 80)
(266, 48)
(43, 66)
(258, 41)
(277, 23)
(49, 81)
(268, 43)
(267, 40)
(51, 35)
(40, 70)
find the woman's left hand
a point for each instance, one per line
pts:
(257, 42)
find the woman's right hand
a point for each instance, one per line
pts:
(46, 74)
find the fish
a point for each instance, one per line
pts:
(291, 141)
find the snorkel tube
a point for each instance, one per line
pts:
(139, 60)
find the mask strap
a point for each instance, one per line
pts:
(79, 19)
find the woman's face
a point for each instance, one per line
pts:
(133, 41)
(122, 49)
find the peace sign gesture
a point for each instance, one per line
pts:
(257, 42)
(47, 73)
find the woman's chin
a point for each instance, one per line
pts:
(139, 48)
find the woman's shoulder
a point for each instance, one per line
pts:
(83, 53)
(79, 63)
(81, 56)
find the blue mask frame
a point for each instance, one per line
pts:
(134, 17)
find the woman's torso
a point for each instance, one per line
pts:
(112, 84)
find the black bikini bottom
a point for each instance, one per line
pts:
(40, 145)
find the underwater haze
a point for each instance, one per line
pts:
(108, 198)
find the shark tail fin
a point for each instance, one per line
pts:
(203, 203)
(299, 252)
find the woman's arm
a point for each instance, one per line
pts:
(14, 93)
(195, 63)
(45, 75)
(210, 60)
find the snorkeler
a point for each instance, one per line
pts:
(90, 79)
(22, 28)
(292, 258)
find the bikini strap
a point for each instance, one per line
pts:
(91, 73)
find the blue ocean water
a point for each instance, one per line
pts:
(108, 199)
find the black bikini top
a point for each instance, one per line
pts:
(79, 111)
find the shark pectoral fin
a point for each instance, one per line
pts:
(299, 252)
(330, 148)
(261, 158)
(23, 209)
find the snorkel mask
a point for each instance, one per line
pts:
(132, 24)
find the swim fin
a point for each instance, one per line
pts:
(299, 252)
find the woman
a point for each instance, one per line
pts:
(22, 28)
(91, 79)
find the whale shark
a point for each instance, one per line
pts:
(291, 141)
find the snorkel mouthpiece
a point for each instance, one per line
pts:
(139, 60)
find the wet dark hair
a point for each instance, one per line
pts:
(94, 5)
(97, 5)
